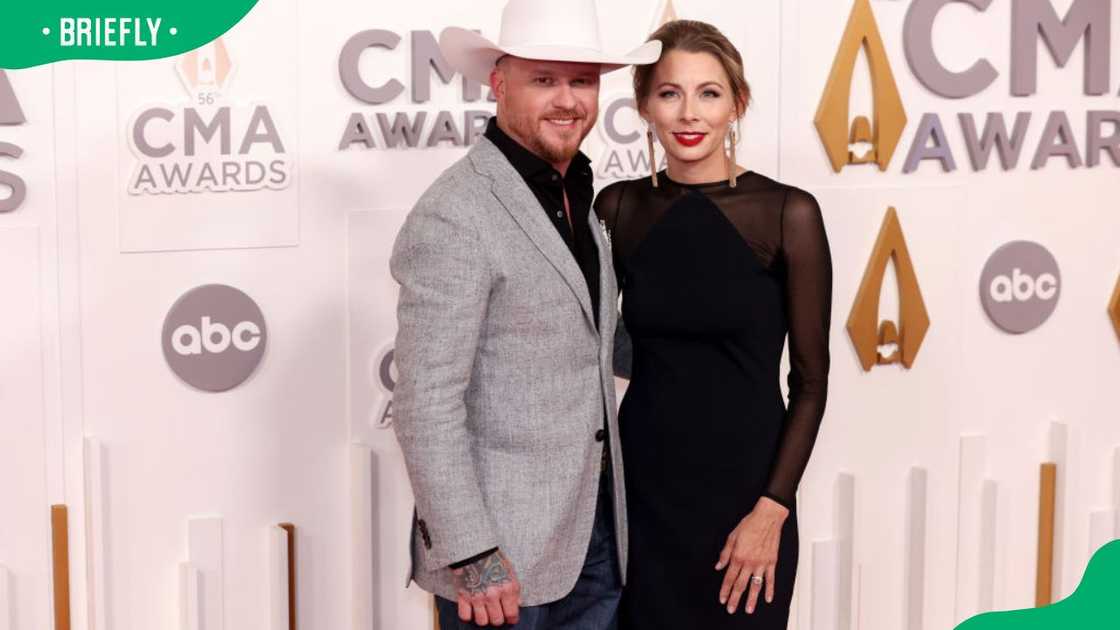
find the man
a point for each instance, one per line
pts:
(504, 406)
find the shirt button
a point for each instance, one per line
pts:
(559, 215)
(555, 177)
(600, 435)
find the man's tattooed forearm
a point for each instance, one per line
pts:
(478, 576)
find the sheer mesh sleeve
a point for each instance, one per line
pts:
(608, 206)
(805, 255)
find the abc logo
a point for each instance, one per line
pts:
(214, 337)
(1019, 286)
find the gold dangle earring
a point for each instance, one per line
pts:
(652, 156)
(731, 175)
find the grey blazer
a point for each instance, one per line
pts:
(504, 381)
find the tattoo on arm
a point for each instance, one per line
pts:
(480, 575)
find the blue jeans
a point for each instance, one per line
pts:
(592, 604)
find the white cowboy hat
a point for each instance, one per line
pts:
(535, 29)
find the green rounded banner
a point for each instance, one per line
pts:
(38, 32)
(1094, 605)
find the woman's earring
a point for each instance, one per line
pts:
(652, 156)
(731, 175)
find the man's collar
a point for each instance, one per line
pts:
(528, 164)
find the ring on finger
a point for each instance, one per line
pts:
(757, 579)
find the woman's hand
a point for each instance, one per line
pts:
(752, 550)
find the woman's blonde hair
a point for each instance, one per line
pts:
(697, 37)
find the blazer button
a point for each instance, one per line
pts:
(600, 435)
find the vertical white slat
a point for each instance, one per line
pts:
(278, 578)
(825, 609)
(970, 479)
(190, 590)
(95, 534)
(205, 536)
(915, 550)
(5, 600)
(985, 596)
(845, 506)
(361, 526)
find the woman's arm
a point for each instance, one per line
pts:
(808, 264)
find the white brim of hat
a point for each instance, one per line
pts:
(474, 56)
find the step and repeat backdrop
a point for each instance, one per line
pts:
(196, 343)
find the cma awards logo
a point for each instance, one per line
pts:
(209, 143)
(406, 128)
(625, 154)
(11, 114)
(886, 342)
(214, 337)
(383, 374)
(857, 140)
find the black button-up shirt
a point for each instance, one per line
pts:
(549, 186)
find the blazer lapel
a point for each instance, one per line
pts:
(514, 194)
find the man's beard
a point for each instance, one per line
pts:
(528, 131)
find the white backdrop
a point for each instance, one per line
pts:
(157, 474)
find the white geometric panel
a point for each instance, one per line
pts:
(970, 482)
(205, 553)
(96, 518)
(25, 547)
(825, 607)
(988, 544)
(915, 549)
(845, 510)
(278, 590)
(363, 566)
(190, 597)
(5, 600)
(832, 593)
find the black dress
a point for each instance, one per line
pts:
(712, 279)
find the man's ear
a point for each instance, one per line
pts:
(497, 82)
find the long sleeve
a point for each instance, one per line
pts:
(808, 265)
(608, 208)
(445, 287)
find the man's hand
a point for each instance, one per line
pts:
(489, 593)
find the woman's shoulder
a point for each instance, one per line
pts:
(794, 199)
(615, 195)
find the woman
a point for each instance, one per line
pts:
(716, 264)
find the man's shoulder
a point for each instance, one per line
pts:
(461, 177)
(459, 186)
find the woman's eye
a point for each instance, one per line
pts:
(542, 81)
(711, 93)
(666, 94)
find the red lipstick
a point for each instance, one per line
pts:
(689, 139)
